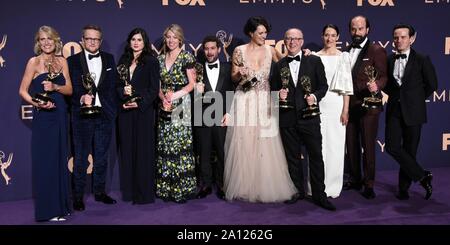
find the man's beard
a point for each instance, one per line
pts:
(358, 39)
(213, 59)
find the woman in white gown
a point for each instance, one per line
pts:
(255, 164)
(334, 108)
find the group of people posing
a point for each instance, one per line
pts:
(279, 105)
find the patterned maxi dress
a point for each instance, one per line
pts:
(175, 164)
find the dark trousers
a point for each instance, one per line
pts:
(362, 129)
(210, 138)
(90, 135)
(136, 144)
(402, 142)
(310, 136)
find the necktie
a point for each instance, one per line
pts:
(91, 56)
(211, 66)
(290, 59)
(400, 56)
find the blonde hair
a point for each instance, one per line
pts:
(178, 31)
(53, 35)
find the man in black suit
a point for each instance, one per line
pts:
(293, 127)
(208, 120)
(412, 78)
(92, 134)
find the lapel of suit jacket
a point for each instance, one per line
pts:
(221, 77)
(284, 63)
(208, 86)
(102, 76)
(83, 62)
(135, 73)
(408, 67)
(360, 59)
(206, 81)
(391, 63)
(303, 60)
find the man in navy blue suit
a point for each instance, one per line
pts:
(92, 133)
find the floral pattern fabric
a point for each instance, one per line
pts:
(175, 176)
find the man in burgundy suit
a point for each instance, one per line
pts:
(362, 126)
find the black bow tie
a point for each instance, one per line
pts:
(211, 66)
(355, 45)
(400, 56)
(290, 59)
(91, 56)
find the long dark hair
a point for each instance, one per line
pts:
(127, 56)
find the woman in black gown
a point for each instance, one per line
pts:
(136, 120)
(49, 72)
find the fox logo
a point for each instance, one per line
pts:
(376, 3)
(185, 2)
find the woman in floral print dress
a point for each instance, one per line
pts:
(175, 177)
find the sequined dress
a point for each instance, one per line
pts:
(255, 164)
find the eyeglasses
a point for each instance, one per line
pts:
(290, 39)
(94, 40)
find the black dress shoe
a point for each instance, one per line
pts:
(324, 203)
(221, 194)
(402, 195)
(295, 198)
(368, 193)
(102, 197)
(351, 186)
(426, 184)
(204, 192)
(78, 204)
